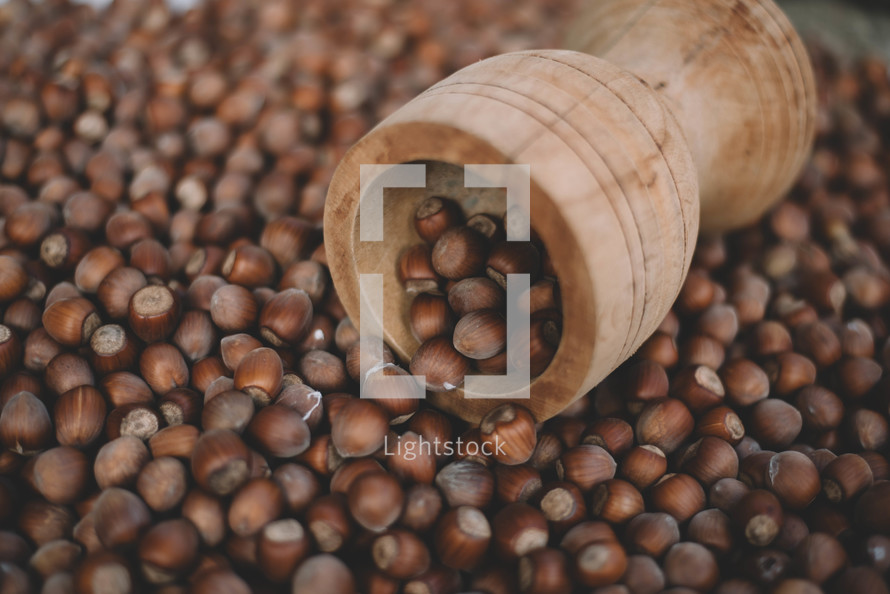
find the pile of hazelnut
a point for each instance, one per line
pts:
(179, 381)
(459, 282)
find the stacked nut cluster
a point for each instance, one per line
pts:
(459, 281)
(179, 380)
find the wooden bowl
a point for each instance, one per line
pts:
(614, 182)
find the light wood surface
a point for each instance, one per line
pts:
(614, 184)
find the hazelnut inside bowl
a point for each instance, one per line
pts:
(445, 180)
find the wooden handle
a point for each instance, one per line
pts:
(737, 77)
(614, 195)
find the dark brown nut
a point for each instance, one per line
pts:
(702, 350)
(746, 383)
(818, 341)
(120, 461)
(219, 462)
(208, 515)
(586, 466)
(61, 474)
(55, 557)
(476, 293)
(858, 375)
(460, 252)
(72, 321)
(103, 567)
(719, 321)
(857, 339)
(123, 387)
(616, 501)
(867, 429)
(400, 554)
(722, 422)
(690, 565)
(481, 334)
(793, 531)
(679, 495)
(664, 423)
(660, 348)
(410, 460)
(282, 545)
(818, 557)
(845, 477)
(163, 367)
(861, 580)
(820, 409)
(466, 483)
(790, 372)
(430, 316)
(279, 432)
(206, 371)
(195, 335)
(770, 338)
(652, 533)
(79, 416)
(518, 529)
(286, 317)
(440, 363)
(774, 423)
(709, 459)
(176, 441)
(434, 216)
(298, 485)
(309, 276)
(545, 570)
(253, 505)
(162, 483)
(41, 522)
(359, 428)
(699, 388)
(643, 465)
(726, 493)
(509, 430)
(121, 517)
(168, 551)
(697, 292)
(112, 349)
(40, 348)
(871, 511)
(13, 278)
(234, 347)
(793, 478)
(585, 533)
(231, 409)
(181, 405)
(322, 573)
(614, 435)
(600, 563)
(416, 271)
(233, 308)
(259, 375)
(758, 516)
(67, 371)
(95, 265)
(375, 500)
(64, 248)
(643, 574)
(753, 468)
(154, 312)
(711, 528)
(25, 425)
(516, 483)
(249, 266)
(512, 257)
(562, 504)
(324, 371)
